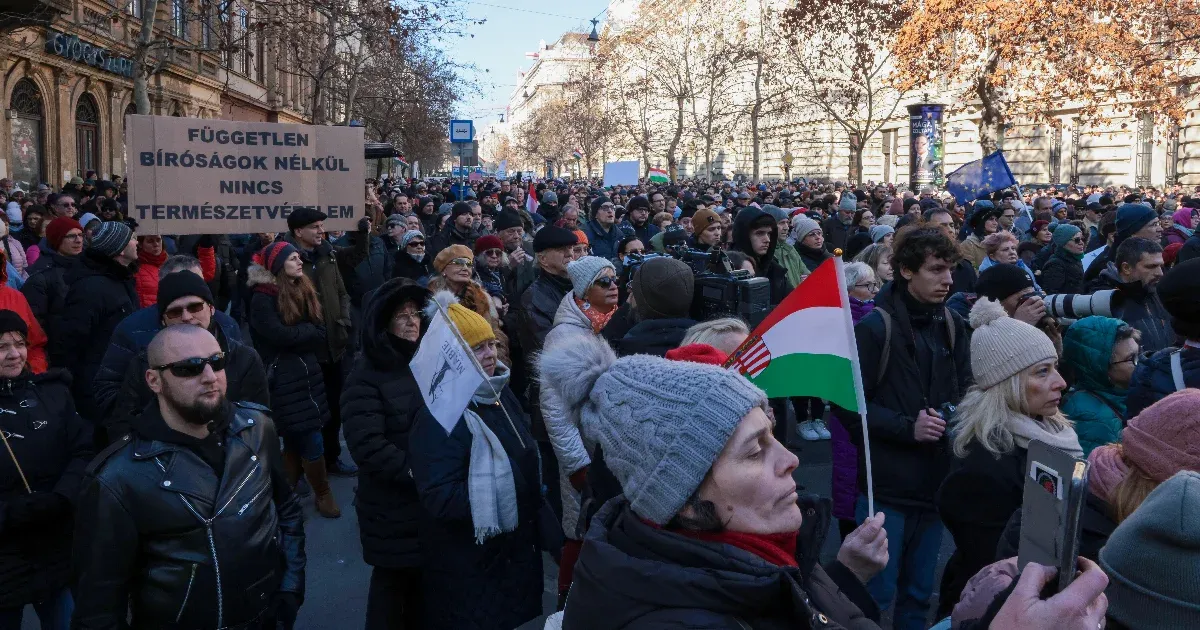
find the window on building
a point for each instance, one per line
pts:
(87, 134)
(27, 166)
(179, 18)
(1145, 150)
(1173, 155)
(1055, 131)
(134, 8)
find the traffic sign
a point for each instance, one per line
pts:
(462, 131)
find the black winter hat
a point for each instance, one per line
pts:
(1000, 281)
(507, 219)
(11, 322)
(553, 236)
(637, 202)
(460, 208)
(180, 284)
(303, 217)
(663, 289)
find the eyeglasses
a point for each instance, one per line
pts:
(65, 204)
(1077, 240)
(417, 244)
(605, 282)
(493, 252)
(870, 286)
(188, 368)
(73, 237)
(461, 262)
(175, 312)
(411, 317)
(1133, 359)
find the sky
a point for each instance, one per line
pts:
(498, 49)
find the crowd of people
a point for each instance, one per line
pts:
(171, 401)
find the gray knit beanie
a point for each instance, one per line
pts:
(877, 232)
(1002, 346)
(583, 273)
(662, 424)
(801, 226)
(1153, 559)
(776, 212)
(110, 238)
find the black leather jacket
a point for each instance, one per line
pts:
(162, 536)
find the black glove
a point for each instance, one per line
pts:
(29, 510)
(364, 225)
(284, 607)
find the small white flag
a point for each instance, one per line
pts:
(445, 371)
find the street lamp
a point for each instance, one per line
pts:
(595, 36)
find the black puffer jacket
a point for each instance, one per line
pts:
(654, 336)
(922, 372)
(1139, 307)
(495, 585)
(766, 266)
(1062, 274)
(632, 575)
(181, 547)
(379, 403)
(405, 266)
(101, 293)
(289, 353)
(54, 446)
(374, 269)
(245, 378)
(1152, 379)
(46, 287)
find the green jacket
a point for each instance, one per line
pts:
(324, 267)
(789, 259)
(1095, 406)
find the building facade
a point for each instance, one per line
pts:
(66, 81)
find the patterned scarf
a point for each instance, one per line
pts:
(598, 319)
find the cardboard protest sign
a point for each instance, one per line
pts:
(205, 176)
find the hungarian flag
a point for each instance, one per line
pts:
(531, 202)
(806, 346)
(659, 176)
(577, 154)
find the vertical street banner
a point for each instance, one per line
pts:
(206, 176)
(926, 162)
(445, 371)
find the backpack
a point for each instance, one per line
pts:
(886, 354)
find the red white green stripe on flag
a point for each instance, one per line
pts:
(659, 176)
(805, 346)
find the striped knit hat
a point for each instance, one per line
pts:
(274, 255)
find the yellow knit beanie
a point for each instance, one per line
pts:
(471, 325)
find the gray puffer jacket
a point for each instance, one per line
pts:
(570, 325)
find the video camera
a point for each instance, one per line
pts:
(720, 290)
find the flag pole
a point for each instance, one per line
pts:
(471, 353)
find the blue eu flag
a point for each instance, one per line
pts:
(980, 178)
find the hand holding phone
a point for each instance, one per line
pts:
(1082, 605)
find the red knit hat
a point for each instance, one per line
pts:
(58, 228)
(1165, 438)
(274, 255)
(698, 353)
(484, 243)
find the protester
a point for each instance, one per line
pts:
(982, 223)
(1014, 400)
(151, 257)
(1001, 248)
(836, 229)
(379, 402)
(46, 288)
(457, 232)
(1133, 274)
(1173, 368)
(787, 257)
(454, 267)
(287, 324)
(927, 366)
(183, 298)
(582, 313)
(706, 231)
(662, 290)
(602, 233)
(756, 235)
(33, 227)
(480, 490)
(374, 269)
(100, 294)
(39, 489)
(879, 258)
(1063, 271)
(717, 516)
(726, 334)
(242, 563)
(1181, 228)
(411, 260)
(810, 242)
(1133, 220)
(1150, 560)
(323, 263)
(13, 251)
(1099, 355)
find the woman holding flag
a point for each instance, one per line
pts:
(479, 485)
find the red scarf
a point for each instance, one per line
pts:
(778, 549)
(598, 319)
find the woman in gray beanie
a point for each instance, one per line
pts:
(1014, 400)
(583, 313)
(710, 532)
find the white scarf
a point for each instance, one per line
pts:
(1026, 429)
(491, 490)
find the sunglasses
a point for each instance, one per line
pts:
(492, 252)
(176, 312)
(605, 282)
(188, 368)
(461, 262)
(417, 244)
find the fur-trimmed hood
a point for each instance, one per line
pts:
(257, 275)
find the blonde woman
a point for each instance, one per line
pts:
(1015, 399)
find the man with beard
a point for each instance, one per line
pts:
(197, 525)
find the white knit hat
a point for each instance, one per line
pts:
(1002, 346)
(802, 226)
(583, 273)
